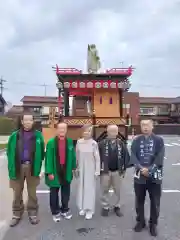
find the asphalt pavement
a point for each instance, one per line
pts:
(111, 228)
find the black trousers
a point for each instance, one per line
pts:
(54, 199)
(154, 191)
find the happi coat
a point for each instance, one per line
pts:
(88, 161)
(52, 163)
(121, 154)
(149, 153)
(15, 148)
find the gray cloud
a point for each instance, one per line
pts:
(39, 34)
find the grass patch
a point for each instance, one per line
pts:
(3, 146)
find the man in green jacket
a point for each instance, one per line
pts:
(60, 162)
(25, 153)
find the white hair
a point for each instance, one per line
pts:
(87, 127)
(147, 121)
(109, 127)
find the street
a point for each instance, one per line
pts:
(112, 228)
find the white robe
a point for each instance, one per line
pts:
(88, 160)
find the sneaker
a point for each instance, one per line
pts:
(139, 227)
(118, 212)
(105, 212)
(81, 213)
(14, 221)
(89, 215)
(57, 218)
(153, 230)
(33, 220)
(66, 215)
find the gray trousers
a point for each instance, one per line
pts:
(111, 180)
(18, 186)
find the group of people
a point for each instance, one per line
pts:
(108, 159)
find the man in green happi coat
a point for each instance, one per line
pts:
(60, 162)
(25, 153)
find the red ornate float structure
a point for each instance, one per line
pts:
(103, 93)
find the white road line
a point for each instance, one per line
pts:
(168, 145)
(171, 191)
(176, 164)
(110, 191)
(42, 191)
(176, 144)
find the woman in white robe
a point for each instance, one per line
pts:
(88, 162)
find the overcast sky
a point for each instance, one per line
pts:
(36, 34)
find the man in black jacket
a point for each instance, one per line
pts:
(147, 155)
(114, 160)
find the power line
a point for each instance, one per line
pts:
(133, 84)
(45, 86)
(157, 86)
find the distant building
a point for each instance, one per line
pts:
(161, 110)
(39, 106)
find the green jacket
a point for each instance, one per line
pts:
(12, 154)
(51, 162)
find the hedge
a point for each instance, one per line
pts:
(7, 125)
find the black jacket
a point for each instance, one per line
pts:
(123, 157)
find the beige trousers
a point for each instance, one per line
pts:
(111, 180)
(18, 186)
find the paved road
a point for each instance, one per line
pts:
(111, 228)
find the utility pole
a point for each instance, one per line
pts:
(45, 89)
(2, 81)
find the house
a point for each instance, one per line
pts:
(156, 108)
(175, 110)
(39, 106)
(160, 109)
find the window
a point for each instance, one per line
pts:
(100, 100)
(110, 100)
(163, 109)
(147, 111)
(36, 109)
(45, 110)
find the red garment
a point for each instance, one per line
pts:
(62, 150)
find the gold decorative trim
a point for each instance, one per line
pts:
(75, 121)
(99, 121)
(107, 121)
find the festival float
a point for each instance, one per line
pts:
(95, 96)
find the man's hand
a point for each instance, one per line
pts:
(76, 173)
(51, 177)
(145, 172)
